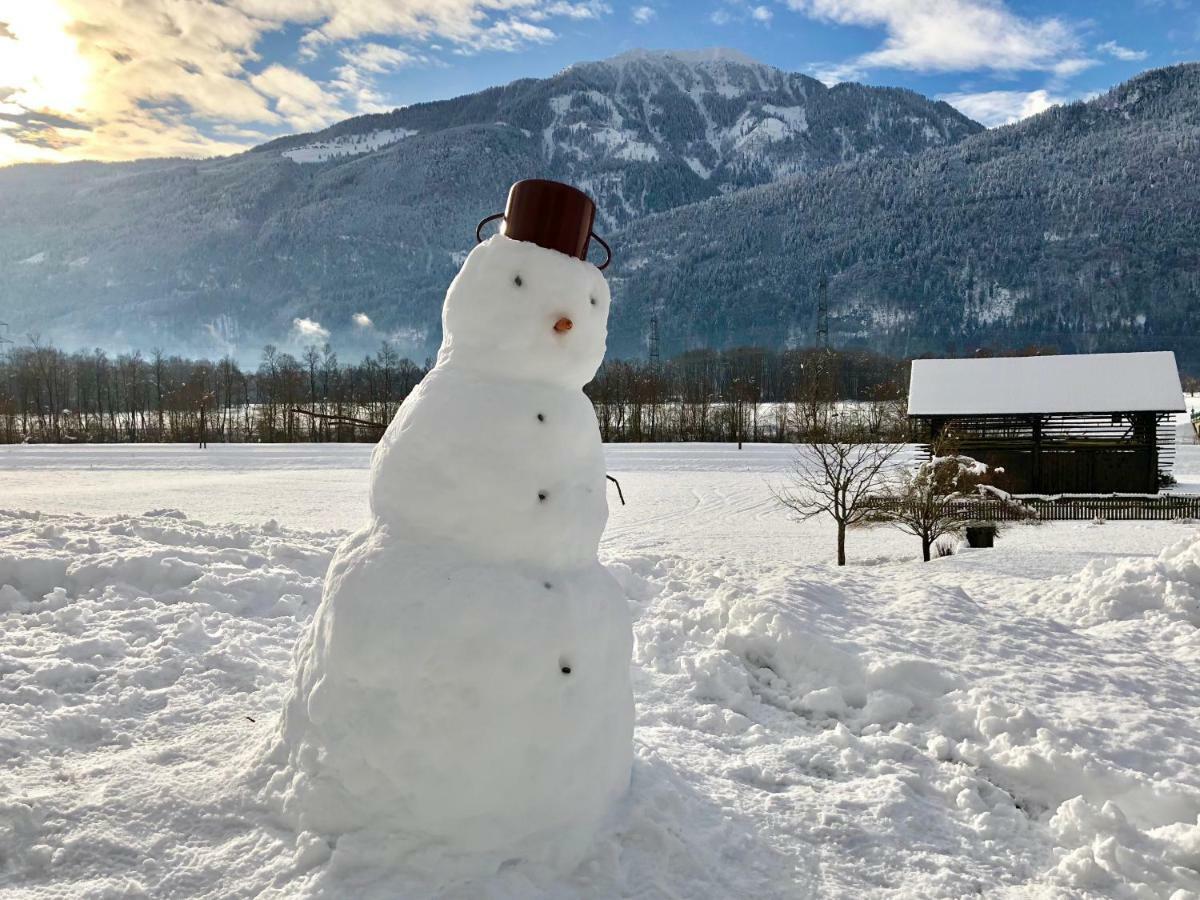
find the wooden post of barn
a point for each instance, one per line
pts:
(1035, 462)
(1149, 439)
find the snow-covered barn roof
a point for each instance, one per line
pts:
(1083, 383)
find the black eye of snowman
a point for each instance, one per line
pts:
(593, 301)
(517, 281)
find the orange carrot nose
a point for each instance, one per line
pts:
(563, 325)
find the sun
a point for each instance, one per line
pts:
(41, 68)
(41, 60)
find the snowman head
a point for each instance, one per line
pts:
(517, 310)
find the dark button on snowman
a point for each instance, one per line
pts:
(462, 698)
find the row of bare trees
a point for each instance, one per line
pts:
(49, 395)
(748, 394)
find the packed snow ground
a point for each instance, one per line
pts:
(1017, 722)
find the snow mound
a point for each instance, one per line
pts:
(838, 688)
(475, 710)
(1164, 588)
(1112, 858)
(141, 655)
(890, 730)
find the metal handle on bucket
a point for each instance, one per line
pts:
(607, 250)
(479, 227)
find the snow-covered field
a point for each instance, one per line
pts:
(1016, 722)
(346, 145)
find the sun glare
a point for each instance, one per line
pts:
(41, 69)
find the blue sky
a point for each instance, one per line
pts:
(1154, 34)
(103, 79)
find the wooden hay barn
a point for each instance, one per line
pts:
(1089, 424)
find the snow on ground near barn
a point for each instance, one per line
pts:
(1013, 722)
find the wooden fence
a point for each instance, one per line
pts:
(1082, 506)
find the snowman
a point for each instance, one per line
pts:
(463, 692)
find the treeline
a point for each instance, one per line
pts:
(749, 394)
(48, 395)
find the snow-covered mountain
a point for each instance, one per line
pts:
(649, 130)
(1076, 229)
(727, 186)
(374, 214)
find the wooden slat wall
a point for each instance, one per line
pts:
(1081, 452)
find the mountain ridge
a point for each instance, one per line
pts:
(1077, 229)
(730, 120)
(373, 214)
(725, 188)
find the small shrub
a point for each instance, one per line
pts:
(944, 547)
(994, 527)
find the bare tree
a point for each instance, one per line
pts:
(887, 411)
(159, 368)
(834, 474)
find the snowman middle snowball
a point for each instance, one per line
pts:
(464, 687)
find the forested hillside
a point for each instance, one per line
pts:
(727, 189)
(374, 215)
(1077, 229)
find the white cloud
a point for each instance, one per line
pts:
(741, 11)
(237, 131)
(643, 15)
(835, 73)
(378, 58)
(118, 79)
(994, 108)
(362, 320)
(949, 35)
(591, 9)
(508, 35)
(297, 99)
(1072, 66)
(362, 63)
(1115, 50)
(470, 24)
(310, 329)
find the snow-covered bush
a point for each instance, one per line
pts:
(921, 501)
